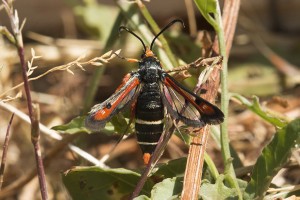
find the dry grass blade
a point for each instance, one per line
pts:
(97, 61)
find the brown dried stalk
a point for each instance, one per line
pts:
(17, 33)
(194, 167)
(4, 153)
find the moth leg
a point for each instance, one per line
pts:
(122, 136)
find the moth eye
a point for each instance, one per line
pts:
(108, 105)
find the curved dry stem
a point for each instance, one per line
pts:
(97, 61)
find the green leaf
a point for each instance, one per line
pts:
(273, 158)
(142, 197)
(172, 168)
(118, 124)
(208, 7)
(176, 168)
(169, 188)
(90, 183)
(76, 125)
(218, 190)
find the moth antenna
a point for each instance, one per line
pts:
(129, 31)
(165, 28)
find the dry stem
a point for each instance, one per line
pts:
(194, 167)
(5, 148)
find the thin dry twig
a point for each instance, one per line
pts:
(53, 134)
(5, 148)
(200, 62)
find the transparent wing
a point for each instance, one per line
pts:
(124, 95)
(184, 105)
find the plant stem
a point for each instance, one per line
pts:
(194, 165)
(34, 122)
(17, 34)
(225, 102)
(4, 153)
(211, 166)
(9, 36)
(35, 138)
(25, 78)
(224, 93)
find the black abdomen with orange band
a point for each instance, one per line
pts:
(149, 116)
